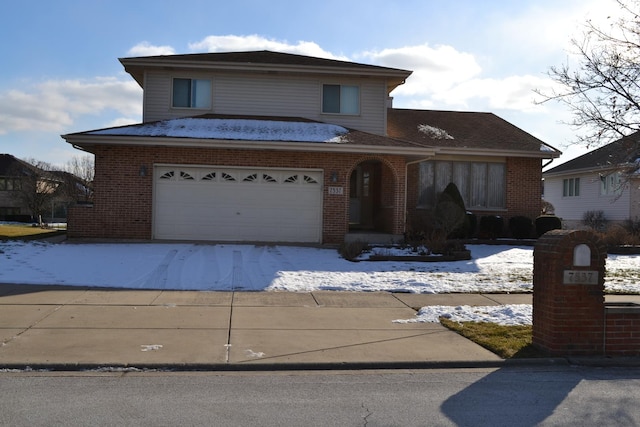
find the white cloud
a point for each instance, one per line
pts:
(510, 93)
(434, 68)
(147, 49)
(445, 77)
(55, 105)
(233, 43)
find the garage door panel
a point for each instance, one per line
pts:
(207, 203)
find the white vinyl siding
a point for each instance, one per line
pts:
(616, 207)
(267, 95)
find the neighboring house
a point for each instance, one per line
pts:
(30, 193)
(275, 147)
(12, 171)
(604, 179)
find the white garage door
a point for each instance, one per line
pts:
(237, 204)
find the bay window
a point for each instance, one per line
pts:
(481, 184)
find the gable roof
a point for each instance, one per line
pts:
(263, 61)
(10, 165)
(454, 132)
(249, 132)
(624, 151)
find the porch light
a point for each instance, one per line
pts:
(334, 176)
(143, 170)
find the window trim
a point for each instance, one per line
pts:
(340, 85)
(611, 184)
(571, 187)
(191, 79)
(10, 181)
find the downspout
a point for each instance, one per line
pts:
(406, 181)
(548, 163)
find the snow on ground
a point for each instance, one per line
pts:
(510, 314)
(225, 267)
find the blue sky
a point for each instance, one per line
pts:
(60, 71)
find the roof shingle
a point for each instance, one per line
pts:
(626, 150)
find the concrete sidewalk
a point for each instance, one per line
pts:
(83, 328)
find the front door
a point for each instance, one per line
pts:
(363, 195)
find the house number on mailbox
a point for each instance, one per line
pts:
(580, 277)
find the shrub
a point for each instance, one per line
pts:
(520, 227)
(619, 235)
(351, 250)
(450, 213)
(594, 220)
(473, 224)
(490, 226)
(547, 208)
(546, 223)
(633, 227)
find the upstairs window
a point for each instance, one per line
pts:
(340, 99)
(571, 187)
(192, 93)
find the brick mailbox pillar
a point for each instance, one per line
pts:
(568, 293)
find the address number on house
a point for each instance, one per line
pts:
(580, 277)
(337, 191)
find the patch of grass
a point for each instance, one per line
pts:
(17, 231)
(508, 342)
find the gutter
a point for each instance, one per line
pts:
(329, 147)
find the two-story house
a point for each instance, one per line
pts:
(274, 147)
(30, 192)
(605, 179)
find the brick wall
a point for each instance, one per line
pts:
(622, 331)
(123, 202)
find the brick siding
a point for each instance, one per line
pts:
(123, 203)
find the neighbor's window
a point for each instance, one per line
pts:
(340, 99)
(481, 184)
(10, 184)
(571, 187)
(610, 184)
(192, 93)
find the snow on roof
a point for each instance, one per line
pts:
(434, 132)
(234, 129)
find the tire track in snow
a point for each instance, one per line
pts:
(255, 276)
(211, 270)
(175, 269)
(157, 279)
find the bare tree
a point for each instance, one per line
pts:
(38, 188)
(603, 89)
(83, 168)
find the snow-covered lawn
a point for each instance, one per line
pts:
(225, 267)
(277, 268)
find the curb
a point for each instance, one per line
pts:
(281, 367)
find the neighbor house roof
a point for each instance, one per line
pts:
(9, 165)
(262, 61)
(249, 132)
(454, 132)
(622, 152)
